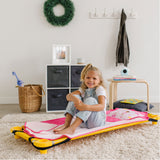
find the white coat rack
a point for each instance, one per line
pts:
(111, 15)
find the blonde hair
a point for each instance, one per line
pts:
(86, 69)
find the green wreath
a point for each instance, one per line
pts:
(59, 20)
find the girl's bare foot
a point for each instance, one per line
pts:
(71, 129)
(59, 128)
(68, 130)
(65, 125)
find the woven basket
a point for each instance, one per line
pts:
(30, 97)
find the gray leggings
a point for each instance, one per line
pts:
(90, 119)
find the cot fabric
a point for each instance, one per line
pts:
(123, 114)
(44, 129)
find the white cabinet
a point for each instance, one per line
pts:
(61, 80)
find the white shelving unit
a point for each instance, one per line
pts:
(61, 80)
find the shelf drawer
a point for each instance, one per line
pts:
(57, 76)
(57, 99)
(75, 75)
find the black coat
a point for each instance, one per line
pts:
(122, 51)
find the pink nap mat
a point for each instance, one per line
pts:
(116, 117)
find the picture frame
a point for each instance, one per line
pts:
(61, 54)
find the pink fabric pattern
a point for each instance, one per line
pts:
(124, 114)
(58, 121)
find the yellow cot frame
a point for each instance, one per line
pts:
(43, 144)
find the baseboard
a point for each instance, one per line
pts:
(14, 100)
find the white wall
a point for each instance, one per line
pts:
(26, 40)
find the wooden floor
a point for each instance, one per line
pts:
(14, 108)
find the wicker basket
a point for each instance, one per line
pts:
(30, 97)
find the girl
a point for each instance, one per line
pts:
(88, 103)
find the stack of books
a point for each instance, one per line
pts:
(124, 78)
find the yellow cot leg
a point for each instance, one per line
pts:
(16, 137)
(43, 151)
(154, 123)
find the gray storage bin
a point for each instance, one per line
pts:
(75, 75)
(57, 76)
(57, 99)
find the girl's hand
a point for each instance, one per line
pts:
(81, 106)
(68, 97)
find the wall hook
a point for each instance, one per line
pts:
(95, 13)
(104, 14)
(114, 14)
(132, 14)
